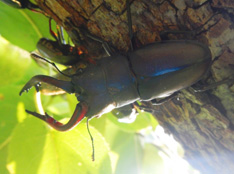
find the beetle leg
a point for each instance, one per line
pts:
(59, 36)
(61, 41)
(36, 80)
(78, 115)
(74, 34)
(197, 31)
(129, 16)
(133, 41)
(104, 44)
(214, 85)
(62, 35)
(166, 99)
(53, 34)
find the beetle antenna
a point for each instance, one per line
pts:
(36, 56)
(91, 137)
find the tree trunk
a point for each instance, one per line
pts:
(201, 122)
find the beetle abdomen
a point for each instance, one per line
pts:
(165, 67)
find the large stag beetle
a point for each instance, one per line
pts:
(154, 71)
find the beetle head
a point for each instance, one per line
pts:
(90, 87)
(48, 48)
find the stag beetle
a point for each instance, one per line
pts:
(20, 4)
(154, 71)
(58, 51)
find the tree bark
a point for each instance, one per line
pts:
(201, 122)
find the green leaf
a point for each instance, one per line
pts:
(142, 121)
(126, 148)
(152, 162)
(132, 154)
(14, 62)
(48, 151)
(22, 27)
(130, 150)
(10, 106)
(58, 106)
(15, 69)
(3, 157)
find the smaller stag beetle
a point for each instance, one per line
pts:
(20, 4)
(58, 51)
(154, 71)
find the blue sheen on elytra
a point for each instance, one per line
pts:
(165, 71)
(168, 70)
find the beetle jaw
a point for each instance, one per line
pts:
(28, 86)
(48, 119)
(78, 115)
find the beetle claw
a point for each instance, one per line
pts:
(27, 87)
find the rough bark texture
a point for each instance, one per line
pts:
(201, 122)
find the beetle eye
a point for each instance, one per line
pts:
(49, 46)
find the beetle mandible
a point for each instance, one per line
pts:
(154, 71)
